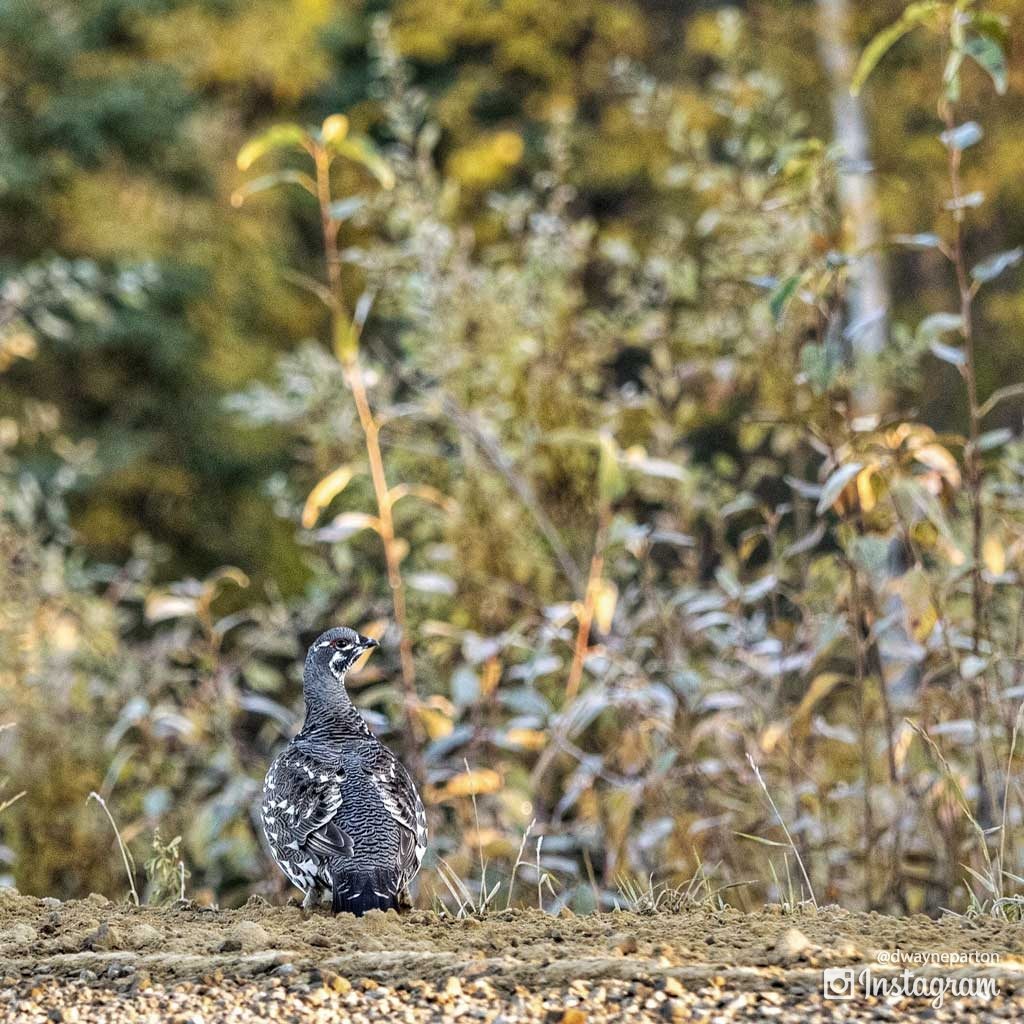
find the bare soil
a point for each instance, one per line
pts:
(662, 962)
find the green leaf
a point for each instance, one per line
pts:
(346, 340)
(611, 481)
(991, 268)
(281, 136)
(268, 181)
(343, 209)
(962, 136)
(972, 666)
(948, 353)
(987, 53)
(348, 524)
(972, 199)
(916, 502)
(994, 439)
(728, 582)
(995, 26)
(819, 366)
(779, 298)
(1000, 395)
(916, 14)
(922, 241)
(835, 483)
(951, 75)
(934, 326)
(360, 150)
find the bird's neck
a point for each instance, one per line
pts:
(331, 717)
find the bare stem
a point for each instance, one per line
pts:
(972, 456)
(10, 801)
(343, 327)
(586, 619)
(129, 863)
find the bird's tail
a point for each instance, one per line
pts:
(356, 892)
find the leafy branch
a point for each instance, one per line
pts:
(323, 147)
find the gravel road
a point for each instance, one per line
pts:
(93, 960)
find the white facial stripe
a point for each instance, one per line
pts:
(337, 664)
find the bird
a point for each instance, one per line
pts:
(340, 812)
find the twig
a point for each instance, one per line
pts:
(12, 800)
(129, 862)
(540, 876)
(586, 618)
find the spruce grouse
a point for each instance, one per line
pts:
(340, 812)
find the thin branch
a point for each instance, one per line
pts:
(129, 863)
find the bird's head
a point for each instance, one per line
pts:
(333, 653)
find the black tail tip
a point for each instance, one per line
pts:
(358, 892)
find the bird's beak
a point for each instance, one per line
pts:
(366, 643)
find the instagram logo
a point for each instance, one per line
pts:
(838, 983)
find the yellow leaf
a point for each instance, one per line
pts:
(473, 783)
(605, 596)
(489, 678)
(917, 603)
(508, 147)
(772, 735)
(935, 457)
(324, 493)
(750, 544)
(865, 492)
(375, 628)
(334, 128)
(994, 555)
(528, 739)
(495, 844)
(436, 723)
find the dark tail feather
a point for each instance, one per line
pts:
(356, 892)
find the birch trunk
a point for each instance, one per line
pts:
(868, 296)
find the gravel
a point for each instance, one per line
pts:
(317, 996)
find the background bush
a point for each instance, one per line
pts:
(647, 544)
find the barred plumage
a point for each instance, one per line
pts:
(339, 810)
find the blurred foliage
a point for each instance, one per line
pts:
(597, 277)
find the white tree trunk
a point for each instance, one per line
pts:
(868, 297)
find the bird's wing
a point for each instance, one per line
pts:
(398, 794)
(304, 793)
